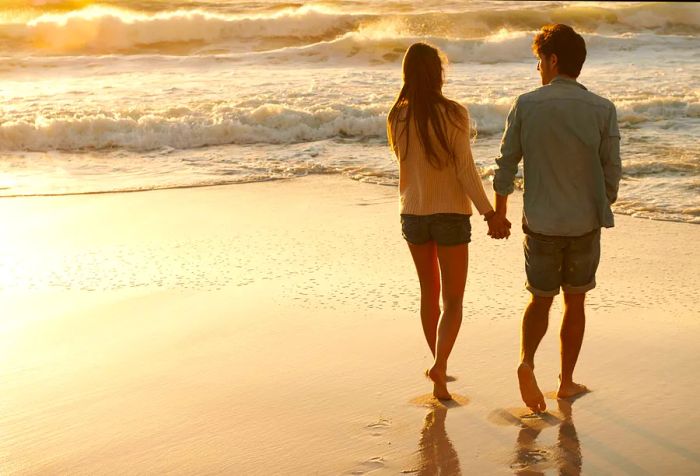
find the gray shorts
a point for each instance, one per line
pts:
(569, 262)
(447, 229)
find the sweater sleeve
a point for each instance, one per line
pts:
(466, 168)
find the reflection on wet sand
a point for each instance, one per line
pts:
(436, 453)
(533, 459)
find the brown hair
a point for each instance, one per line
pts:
(421, 94)
(564, 42)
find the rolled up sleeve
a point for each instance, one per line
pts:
(510, 156)
(610, 156)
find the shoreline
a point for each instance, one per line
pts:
(485, 180)
(272, 328)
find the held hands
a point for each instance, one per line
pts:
(499, 226)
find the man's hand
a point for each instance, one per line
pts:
(499, 226)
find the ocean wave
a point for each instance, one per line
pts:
(208, 124)
(365, 49)
(183, 128)
(632, 112)
(676, 163)
(255, 121)
(373, 49)
(105, 30)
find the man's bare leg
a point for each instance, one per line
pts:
(534, 327)
(572, 330)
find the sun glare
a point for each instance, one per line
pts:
(62, 32)
(58, 4)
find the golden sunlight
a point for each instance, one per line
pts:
(86, 28)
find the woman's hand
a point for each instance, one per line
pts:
(499, 226)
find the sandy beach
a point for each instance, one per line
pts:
(273, 328)
(201, 263)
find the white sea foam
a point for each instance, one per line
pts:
(657, 109)
(257, 121)
(216, 123)
(184, 129)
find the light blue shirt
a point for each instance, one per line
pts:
(569, 142)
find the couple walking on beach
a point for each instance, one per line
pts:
(568, 140)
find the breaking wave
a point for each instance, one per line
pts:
(218, 124)
(109, 30)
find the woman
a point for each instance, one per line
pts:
(437, 182)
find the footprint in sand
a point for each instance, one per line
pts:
(375, 429)
(372, 464)
(379, 427)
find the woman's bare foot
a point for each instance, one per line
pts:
(448, 378)
(439, 379)
(529, 391)
(571, 389)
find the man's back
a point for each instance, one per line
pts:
(569, 141)
(570, 144)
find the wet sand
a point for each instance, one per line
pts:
(272, 328)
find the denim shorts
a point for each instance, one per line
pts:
(569, 262)
(446, 229)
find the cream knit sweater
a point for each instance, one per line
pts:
(426, 190)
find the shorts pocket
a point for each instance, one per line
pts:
(451, 230)
(414, 229)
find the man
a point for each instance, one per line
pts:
(569, 142)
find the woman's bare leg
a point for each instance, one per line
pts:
(453, 268)
(426, 260)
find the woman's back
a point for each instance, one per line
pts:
(426, 189)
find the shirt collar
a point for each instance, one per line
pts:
(564, 80)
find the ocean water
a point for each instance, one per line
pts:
(139, 95)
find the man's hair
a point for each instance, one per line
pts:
(564, 42)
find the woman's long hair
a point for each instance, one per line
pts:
(421, 96)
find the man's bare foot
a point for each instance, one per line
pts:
(529, 391)
(571, 389)
(439, 384)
